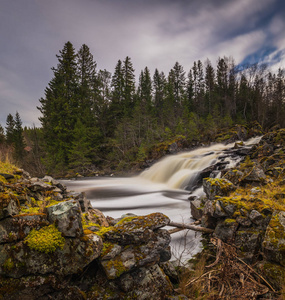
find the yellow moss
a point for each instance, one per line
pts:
(8, 168)
(268, 197)
(45, 240)
(107, 247)
(118, 265)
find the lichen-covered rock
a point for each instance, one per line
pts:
(249, 240)
(136, 230)
(9, 205)
(217, 187)
(274, 240)
(196, 208)
(255, 174)
(19, 259)
(18, 227)
(225, 230)
(235, 176)
(134, 256)
(146, 283)
(67, 217)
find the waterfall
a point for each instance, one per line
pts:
(181, 171)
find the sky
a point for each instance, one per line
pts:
(153, 33)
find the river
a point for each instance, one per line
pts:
(161, 188)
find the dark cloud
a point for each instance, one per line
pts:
(154, 33)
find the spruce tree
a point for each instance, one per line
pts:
(60, 109)
(19, 143)
(10, 127)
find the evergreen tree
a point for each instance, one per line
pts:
(19, 143)
(60, 109)
(209, 86)
(159, 88)
(128, 86)
(145, 90)
(2, 135)
(10, 127)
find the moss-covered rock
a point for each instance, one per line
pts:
(217, 187)
(274, 240)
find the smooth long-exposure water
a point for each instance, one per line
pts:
(158, 189)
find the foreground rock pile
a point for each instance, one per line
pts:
(246, 208)
(54, 245)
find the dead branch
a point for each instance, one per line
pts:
(192, 227)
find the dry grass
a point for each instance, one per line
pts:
(228, 277)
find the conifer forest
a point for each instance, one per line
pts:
(96, 121)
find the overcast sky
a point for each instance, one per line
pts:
(154, 33)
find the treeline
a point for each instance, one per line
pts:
(93, 119)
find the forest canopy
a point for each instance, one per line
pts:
(93, 119)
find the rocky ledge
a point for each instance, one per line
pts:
(246, 209)
(54, 245)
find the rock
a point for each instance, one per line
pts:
(170, 271)
(225, 230)
(9, 205)
(96, 216)
(217, 187)
(85, 204)
(17, 260)
(274, 240)
(7, 176)
(17, 228)
(146, 283)
(40, 186)
(196, 209)
(249, 241)
(243, 221)
(256, 217)
(256, 174)
(67, 217)
(135, 256)
(136, 230)
(235, 176)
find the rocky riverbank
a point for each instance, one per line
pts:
(54, 245)
(246, 209)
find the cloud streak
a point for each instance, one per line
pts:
(153, 33)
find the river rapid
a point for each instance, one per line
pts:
(161, 188)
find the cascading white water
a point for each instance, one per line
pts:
(158, 189)
(180, 170)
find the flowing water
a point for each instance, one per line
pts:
(161, 188)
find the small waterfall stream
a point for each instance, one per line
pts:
(165, 187)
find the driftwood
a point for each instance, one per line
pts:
(182, 226)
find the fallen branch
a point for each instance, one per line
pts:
(180, 229)
(189, 226)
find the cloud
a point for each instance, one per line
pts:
(154, 33)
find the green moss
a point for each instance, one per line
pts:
(118, 265)
(8, 264)
(107, 247)
(47, 239)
